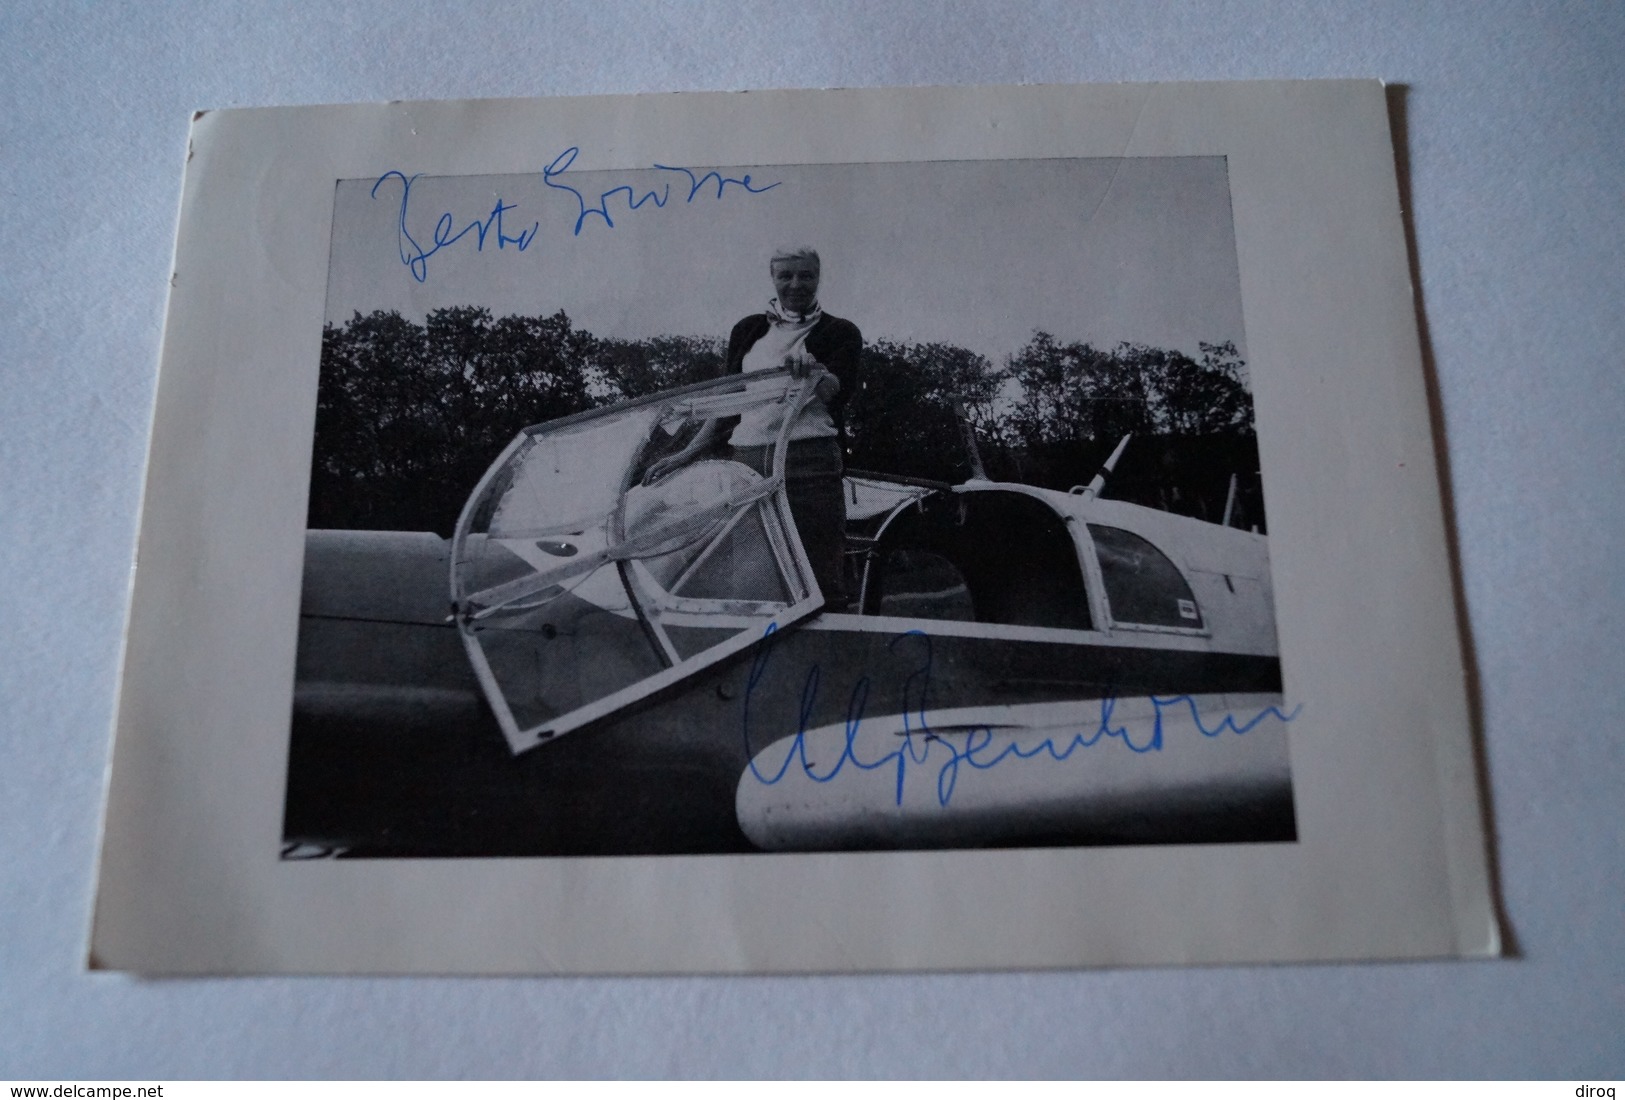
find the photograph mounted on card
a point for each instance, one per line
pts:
(984, 564)
(794, 520)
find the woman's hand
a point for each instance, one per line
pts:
(662, 467)
(801, 364)
(659, 468)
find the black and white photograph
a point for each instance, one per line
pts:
(704, 509)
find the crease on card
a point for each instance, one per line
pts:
(1117, 161)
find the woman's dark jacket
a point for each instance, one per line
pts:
(835, 343)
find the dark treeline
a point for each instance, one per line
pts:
(409, 416)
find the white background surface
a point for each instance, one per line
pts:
(1512, 135)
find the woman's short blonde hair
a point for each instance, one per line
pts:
(796, 252)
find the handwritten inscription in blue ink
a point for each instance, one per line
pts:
(920, 741)
(416, 257)
(635, 201)
(489, 228)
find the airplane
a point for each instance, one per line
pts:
(600, 661)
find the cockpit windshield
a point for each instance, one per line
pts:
(586, 577)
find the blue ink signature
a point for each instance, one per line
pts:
(634, 201)
(918, 741)
(416, 257)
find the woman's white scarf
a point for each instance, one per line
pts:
(781, 316)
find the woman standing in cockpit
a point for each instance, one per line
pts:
(795, 332)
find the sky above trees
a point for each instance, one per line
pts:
(978, 254)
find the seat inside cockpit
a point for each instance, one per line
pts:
(988, 556)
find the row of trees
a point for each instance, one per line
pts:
(409, 416)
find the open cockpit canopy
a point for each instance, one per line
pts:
(582, 584)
